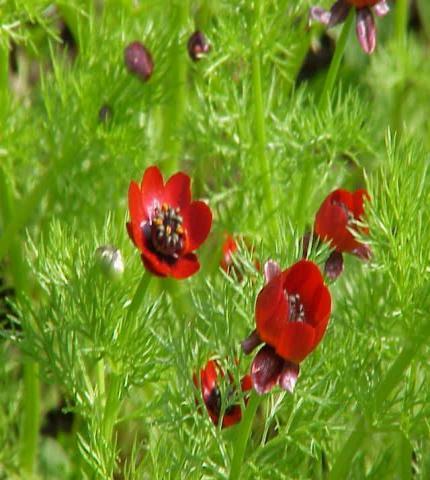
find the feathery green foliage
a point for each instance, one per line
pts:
(247, 125)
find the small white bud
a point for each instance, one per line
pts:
(109, 259)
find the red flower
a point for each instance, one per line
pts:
(209, 377)
(292, 312)
(166, 226)
(337, 218)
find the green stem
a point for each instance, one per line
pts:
(113, 400)
(242, 437)
(401, 21)
(25, 210)
(336, 61)
(386, 386)
(424, 13)
(263, 164)
(176, 82)
(4, 84)
(30, 418)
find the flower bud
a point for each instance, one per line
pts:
(198, 46)
(109, 260)
(138, 60)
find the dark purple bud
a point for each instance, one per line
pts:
(334, 265)
(198, 46)
(366, 30)
(381, 9)
(338, 13)
(289, 376)
(138, 60)
(363, 252)
(320, 15)
(105, 113)
(266, 370)
(251, 342)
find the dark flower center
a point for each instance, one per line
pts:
(167, 232)
(213, 401)
(296, 308)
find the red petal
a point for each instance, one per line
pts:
(304, 278)
(177, 191)
(197, 223)
(137, 214)
(246, 383)
(154, 265)
(233, 416)
(152, 189)
(129, 227)
(135, 204)
(271, 311)
(321, 310)
(298, 340)
(359, 196)
(208, 377)
(265, 370)
(185, 266)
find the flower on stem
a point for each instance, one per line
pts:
(166, 226)
(209, 385)
(292, 313)
(336, 222)
(198, 46)
(138, 60)
(365, 24)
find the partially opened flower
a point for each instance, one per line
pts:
(365, 24)
(228, 261)
(166, 226)
(337, 222)
(292, 313)
(210, 378)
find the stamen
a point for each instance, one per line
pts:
(296, 308)
(167, 233)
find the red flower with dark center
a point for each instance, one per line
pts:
(166, 226)
(365, 23)
(292, 313)
(337, 218)
(209, 384)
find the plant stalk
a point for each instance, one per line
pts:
(243, 436)
(336, 61)
(401, 21)
(113, 399)
(176, 82)
(263, 164)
